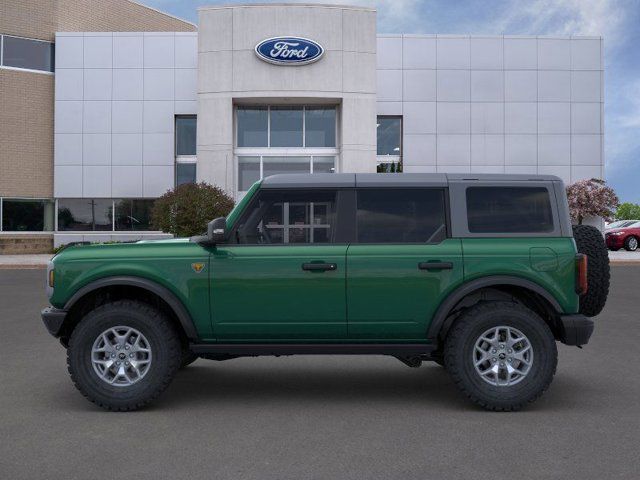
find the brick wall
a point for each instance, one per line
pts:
(26, 116)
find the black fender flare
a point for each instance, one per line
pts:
(164, 293)
(465, 289)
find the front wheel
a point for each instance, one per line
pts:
(123, 354)
(631, 244)
(501, 355)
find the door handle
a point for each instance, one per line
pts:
(435, 265)
(319, 267)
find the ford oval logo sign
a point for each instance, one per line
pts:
(289, 51)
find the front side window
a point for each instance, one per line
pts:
(28, 54)
(85, 214)
(412, 215)
(509, 210)
(289, 217)
(22, 215)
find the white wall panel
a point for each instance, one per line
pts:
(419, 85)
(418, 53)
(389, 85)
(585, 149)
(453, 53)
(126, 149)
(521, 150)
(554, 54)
(554, 86)
(96, 149)
(585, 86)
(126, 181)
(127, 52)
(96, 117)
(487, 53)
(487, 86)
(520, 53)
(585, 117)
(554, 117)
(389, 53)
(454, 149)
(98, 52)
(487, 150)
(554, 149)
(521, 117)
(68, 84)
(419, 149)
(159, 51)
(520, 86)
(126, 117)
(454, 117)
(97, 180)
(487, 117)
(97, 84)
(586, 54)
(128, 84)
(454, 85)
(419, 117)
(68, 149)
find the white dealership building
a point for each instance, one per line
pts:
(307, 88)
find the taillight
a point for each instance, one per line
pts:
(582, 283)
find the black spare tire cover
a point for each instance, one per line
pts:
(590, 242)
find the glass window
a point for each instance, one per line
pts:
(185, 173)
(85, 214)
(275, 165)
(253, 126)
(133, 214)
(248, 172)
(20, 215)
(286, 127)
(186, 135)
(401, 215)
(319, 127)
(509, 210)
(25, 53)
(389, 133)
(289, 217)
(324, 164)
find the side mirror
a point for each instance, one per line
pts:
(217, 230)
(216, 233)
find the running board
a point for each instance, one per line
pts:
(258, 349)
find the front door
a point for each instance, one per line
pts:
(402, 264)
(283, 275)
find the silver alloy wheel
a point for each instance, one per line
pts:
(633, 243)
(502, 356)
(121, 356)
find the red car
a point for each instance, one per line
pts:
(627, 237)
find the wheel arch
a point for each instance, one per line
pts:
(166, 299)
(510, 285)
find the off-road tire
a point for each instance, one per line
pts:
(460, 344)
(165, 347)
(188, 357)
(590, 242)
(627, 243)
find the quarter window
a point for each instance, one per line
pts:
(27, 54)
(290, 217)
(401, 215)
(509, 210)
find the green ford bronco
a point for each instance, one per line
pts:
(479, 273)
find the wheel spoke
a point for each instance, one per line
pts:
(128, 364)
(509, 352)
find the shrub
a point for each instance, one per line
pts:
(186, 210)
(591, 198)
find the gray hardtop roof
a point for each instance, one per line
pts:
(346, 180)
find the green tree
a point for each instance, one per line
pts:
(186, 210)
(628, 211)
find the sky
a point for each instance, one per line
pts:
(617, 21)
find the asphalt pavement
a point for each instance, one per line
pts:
(319, 417)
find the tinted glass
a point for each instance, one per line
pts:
(248, 172)
(286, 126)
(133, 215)
(186, 135)
(401, 215)
(185, 173)
(25, 53)
(509, 210)
(320, 127)
(84, 214)
(324, 164)
(27, 215)
(253, 124)
(275, 165)
(389, 132)
(288, 217)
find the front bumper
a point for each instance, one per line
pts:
(575, 329)
(53, 319)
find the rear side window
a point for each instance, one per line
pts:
(401, 215)
(509, 210)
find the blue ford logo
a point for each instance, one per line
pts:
(289, 50)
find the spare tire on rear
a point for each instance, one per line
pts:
(590, 242)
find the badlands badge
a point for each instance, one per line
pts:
(197, 267)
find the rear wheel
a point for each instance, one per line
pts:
(589, 241)
(501, 355)
(631, 244)
(123, 354)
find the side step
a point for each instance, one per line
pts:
(258, 349)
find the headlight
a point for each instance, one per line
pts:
(51, 277)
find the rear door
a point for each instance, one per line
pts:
(401, 264)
